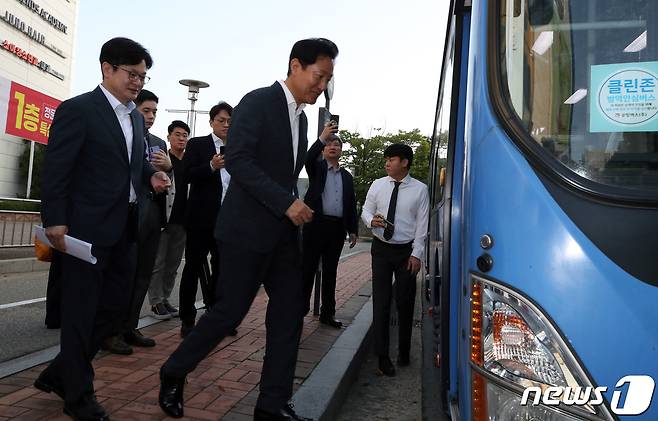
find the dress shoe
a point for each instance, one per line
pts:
(233, 332)
(46, 383)
(171, 395)
(403, 359)
(135, 338)
(86, 409)
(386, 366)
(330, 321)
(116, 345)
(284, 414)
(186, 328)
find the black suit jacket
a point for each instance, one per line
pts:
(204, 184)
(86, 173)
(316, 167)
(259, 157)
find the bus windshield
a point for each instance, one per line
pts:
(582, 77)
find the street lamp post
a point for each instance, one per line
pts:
(193, 87)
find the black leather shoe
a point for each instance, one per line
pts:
(330, 321)
(171, 395)
(186, 328)
(135, 338)
(386, 366)
(116, 345)
(284, 414)
(86, 409)
(46, 383)
(403, 360)
(234, 332)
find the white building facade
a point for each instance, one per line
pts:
(37, 39)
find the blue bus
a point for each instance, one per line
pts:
(542, 255)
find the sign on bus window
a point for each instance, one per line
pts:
(624, 97)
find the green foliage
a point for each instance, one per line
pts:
(365, 156)
(24, 164)
(11, 205)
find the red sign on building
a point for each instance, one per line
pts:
(30, 113)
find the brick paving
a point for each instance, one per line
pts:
(224, 385)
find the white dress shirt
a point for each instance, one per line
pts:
(123, 115)
(411, 211)
(226, 177)
(294, 111)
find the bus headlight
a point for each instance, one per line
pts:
(515, 343)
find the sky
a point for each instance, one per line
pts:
(386, 74)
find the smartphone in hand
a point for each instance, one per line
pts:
(334, 117)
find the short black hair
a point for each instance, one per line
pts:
(400, 150)
(145, 95)
(308, 50)
(120, 50)
(221, 105)
(335, 137)
(177, 124)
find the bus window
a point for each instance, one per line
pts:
(582, 77)
(441, 130)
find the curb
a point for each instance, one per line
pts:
(22, 265)
(322, 394)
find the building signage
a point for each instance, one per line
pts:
(625, 97)
(12, 20)
(29, 113)
(24, 55)
(45, 15)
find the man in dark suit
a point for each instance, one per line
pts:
(151, 221)
(261, 244)
(331, 196)
(93, 183)
(203, 166)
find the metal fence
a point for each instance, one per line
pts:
(17, 227)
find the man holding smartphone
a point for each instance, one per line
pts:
(203, 166)
(396, 209)
(151, 220)
(331, 196)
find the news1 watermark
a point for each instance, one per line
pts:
(636, 391)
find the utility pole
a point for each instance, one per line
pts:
(193, 87)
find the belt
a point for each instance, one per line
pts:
(391, 245)
(328, 218)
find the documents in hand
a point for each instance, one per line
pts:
(74, 247)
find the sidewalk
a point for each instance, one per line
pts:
(224, 385)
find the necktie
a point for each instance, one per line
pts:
(221, 186)
(390, 216)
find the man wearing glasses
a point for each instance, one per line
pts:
(95, 180)
(203, 166)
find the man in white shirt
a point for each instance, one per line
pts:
(396, 209)
(203, 168)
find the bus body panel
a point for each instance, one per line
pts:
(608, 317)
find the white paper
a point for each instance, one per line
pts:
(74, 247)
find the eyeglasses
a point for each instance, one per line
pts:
(134, 76)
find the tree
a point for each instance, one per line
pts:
(365, 156)
(24, 164)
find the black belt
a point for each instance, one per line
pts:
(391, 245)
(328, 218)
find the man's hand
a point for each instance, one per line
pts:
(413, 265)
(217, 162)
(299, 213)
(353, 238)
(160, 182)
(56, 235)
(378, 221)
(161, 161)
(329, 129)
